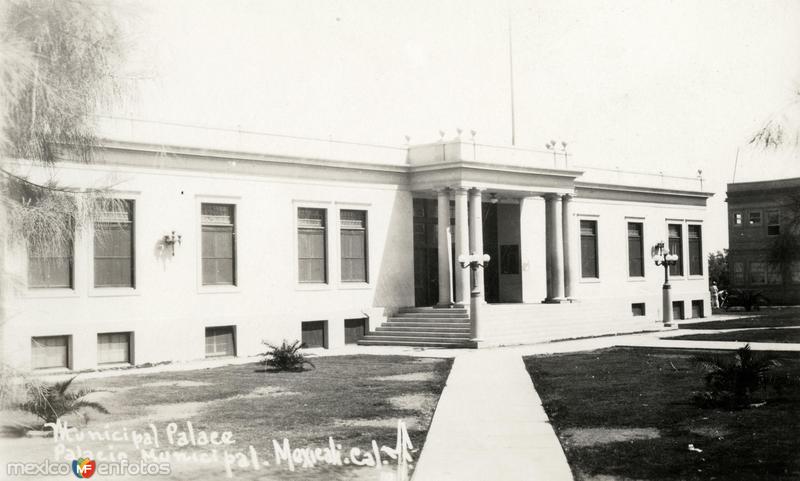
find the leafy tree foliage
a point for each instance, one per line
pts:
(718, 268)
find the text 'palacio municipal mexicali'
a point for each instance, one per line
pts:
(215, 249)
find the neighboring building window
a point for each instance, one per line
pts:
(220, 341)
(755, 217)
(218, 244)
(773, 222)
(676, 247)
(638, 309)
(50, 267)
(737, 219)
(695, 250)
(113, 246)
(635, 249)
(353, 233)
(738, 273)
(758, 273)
(774, 273)
(589, 248)
(48, 352)
(795, 270)
(311, 245)
(114, 348)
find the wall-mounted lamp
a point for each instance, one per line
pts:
(171, 239)
(493, 198)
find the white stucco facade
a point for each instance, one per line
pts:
(169, 308)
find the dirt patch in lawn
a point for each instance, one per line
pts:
(265, 391)
(414, 402)
(176, 384)
(173, 411)
(410, 377)
(583, 437)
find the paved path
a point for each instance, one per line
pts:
(490, 424)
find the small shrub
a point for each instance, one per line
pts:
(52, 401)
(731, 381)
(286, 357)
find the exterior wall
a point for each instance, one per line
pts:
(169, 308)
(750, 244)
(612, 217)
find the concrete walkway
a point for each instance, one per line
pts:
(490, 424)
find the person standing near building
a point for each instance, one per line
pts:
(714, 294)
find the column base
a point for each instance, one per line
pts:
(556, 300)
(446, 305)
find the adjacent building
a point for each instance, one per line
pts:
(210, 251)
(762, 221)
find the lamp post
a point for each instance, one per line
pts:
(662, 257)
(474, 262)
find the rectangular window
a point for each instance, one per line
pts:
(758, 273)
(738, 273)
(50, 267)
(312, 245)
(774, 273)
(795, 271)
(695, 250)
(354, 330)
(113, 245)
(638, 309)
(113, 348)
(676, 247)
(314, 333)
(589, 249)
(773, 222)
(755, 218)
(737, 219)
(635, 249)
(220, 341)
(677, 310)
(697, 309)
(49, 352)
(218, 244)
(353, 232)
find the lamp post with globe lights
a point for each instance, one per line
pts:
(474, 262)
(662, 257)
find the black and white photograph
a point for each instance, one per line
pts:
(400, 240)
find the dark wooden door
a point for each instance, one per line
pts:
(314, 334)
(354, 329)
(426, 254)
(491, 272)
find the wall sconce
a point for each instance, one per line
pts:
(171, 239)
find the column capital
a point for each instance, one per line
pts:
(552, 196)
(569, 196)
(442, 190)
(460, 190)
(476, 190)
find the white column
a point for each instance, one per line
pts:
(476, 235)
(555, 248)
(462, 247)
(443, 227)
(570, 256)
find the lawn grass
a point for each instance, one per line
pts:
(747, 335)
(766, 318)
(627, 413)
(353, 399)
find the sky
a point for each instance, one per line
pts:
(672, 86)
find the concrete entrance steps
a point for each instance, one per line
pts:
(423, 327)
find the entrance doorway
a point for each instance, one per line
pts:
(501, 240)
